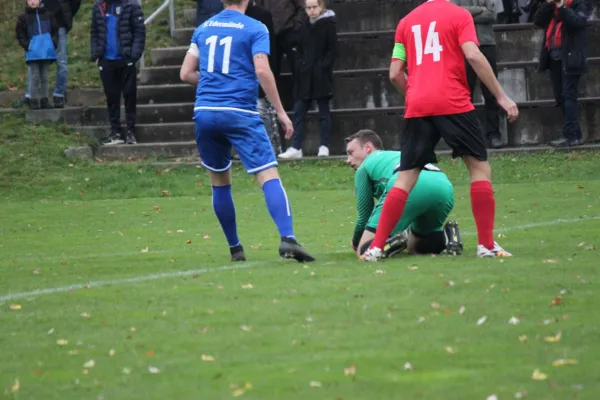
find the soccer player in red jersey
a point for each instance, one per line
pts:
(433, 41)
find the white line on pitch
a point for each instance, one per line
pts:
(175, 274)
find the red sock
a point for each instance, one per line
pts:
(483, 205)
(393, 207)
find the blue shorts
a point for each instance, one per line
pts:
(218, 130)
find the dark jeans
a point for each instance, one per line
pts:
(300, 110)
(492, 110)
(565, 89)
(118, 77)
(205, 9)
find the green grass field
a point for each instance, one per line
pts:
(115, 283)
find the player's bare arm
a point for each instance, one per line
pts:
(398, 76)
(267, 81)
(189, 69)
(484, 71)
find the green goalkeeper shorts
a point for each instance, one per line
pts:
(427, 208)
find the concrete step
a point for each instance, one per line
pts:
(124, 152)
(538, 123)
(361, 50)
(354, 16)
(371, 88)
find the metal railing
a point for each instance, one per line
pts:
(167, 3)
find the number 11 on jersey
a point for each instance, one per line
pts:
(212, 42)
(432, 43)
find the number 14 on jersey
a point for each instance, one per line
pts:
(432, 43)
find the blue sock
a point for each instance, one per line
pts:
(279, 207)
(225, 211)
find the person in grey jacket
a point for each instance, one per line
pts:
(484, 15)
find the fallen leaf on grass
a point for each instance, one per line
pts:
(539, 376)
(165, 193)
(85, 371)
(133, 329)
(379, 272)
(180, 231)
(16, 386)
(207, 358)
(89, 364)
(111, 212)
(157, 208)
(51, 331)
(62, 342)
(36, 271)
(564, 361)
(15, 307)
(513, 321)
(553, 339)
(188, 242)
(421, 320)
(435, 305)
(73, 352)
(350, 371)
(520, 395)
(111, 353)
(481, 320)
(149, 353)
(144, 250)
(492, 397)
(413, 268)
(247, 286)
(581, 244)
(550, 261)
(461, 310)
(449, 283)
(408, 366)
(153, 370)
(126, 371)
(556, 301)
(205, 237)
(523, 338)
(84, 315)
(315, 384)
(238, 392)
(246, 328)
(450, 350)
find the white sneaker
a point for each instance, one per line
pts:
(497, 251)
(374, 254)
(323, 152)
(291, 153)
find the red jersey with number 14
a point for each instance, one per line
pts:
(431, 35)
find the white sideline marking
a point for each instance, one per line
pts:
(153, 277)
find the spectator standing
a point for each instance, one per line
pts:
(206, 9)
(288, 18)
(313, 76)
(266, 110)
(36, 31)
(484, 15)
(118, 37)
(564, 54)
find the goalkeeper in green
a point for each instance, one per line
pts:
(421, 229)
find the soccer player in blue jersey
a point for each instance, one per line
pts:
(227, 54)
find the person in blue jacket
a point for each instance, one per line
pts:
(37, 32)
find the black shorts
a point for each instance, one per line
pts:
(462, 132)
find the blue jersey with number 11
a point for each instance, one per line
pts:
(225, 45)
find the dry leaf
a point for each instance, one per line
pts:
(520, 395)
(550, 261)
(247, 286)
(461, 310)
(435, 305)
(144, 250)
(51, 331)
(133, 329)
(153, 370)
(207, 358)
(421, 319)
(62, 342)
(85, 371)
(450, 350)
(89, 364)
(149, 353)
(126, 371)
(408, 366)
(556, 301)
(413, 268)
(16, 386)
(180, 231)
(246, 328)
(165, 193)
(481, 320)
(157, 208)
(513, 321)
(111, 353)
(15, 307)
(492, 397)
(205, 237)
(315, 384)
(523, 338)
(562, 361)
(84, 315)
(188, 242)
(238, 392)
(379, 272)
(36, 271)
(553, 339)
(581, 244)
(449, 283)
(350, 371)
(539, 376)
(111, 212)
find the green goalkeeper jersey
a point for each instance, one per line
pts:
(370, 183)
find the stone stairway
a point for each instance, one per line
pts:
(364, 97)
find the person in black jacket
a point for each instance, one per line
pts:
(36, 32)
(313, 75)
(267, 112)
(118, 37)
(564, 54)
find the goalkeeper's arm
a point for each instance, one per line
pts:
(364, 204)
